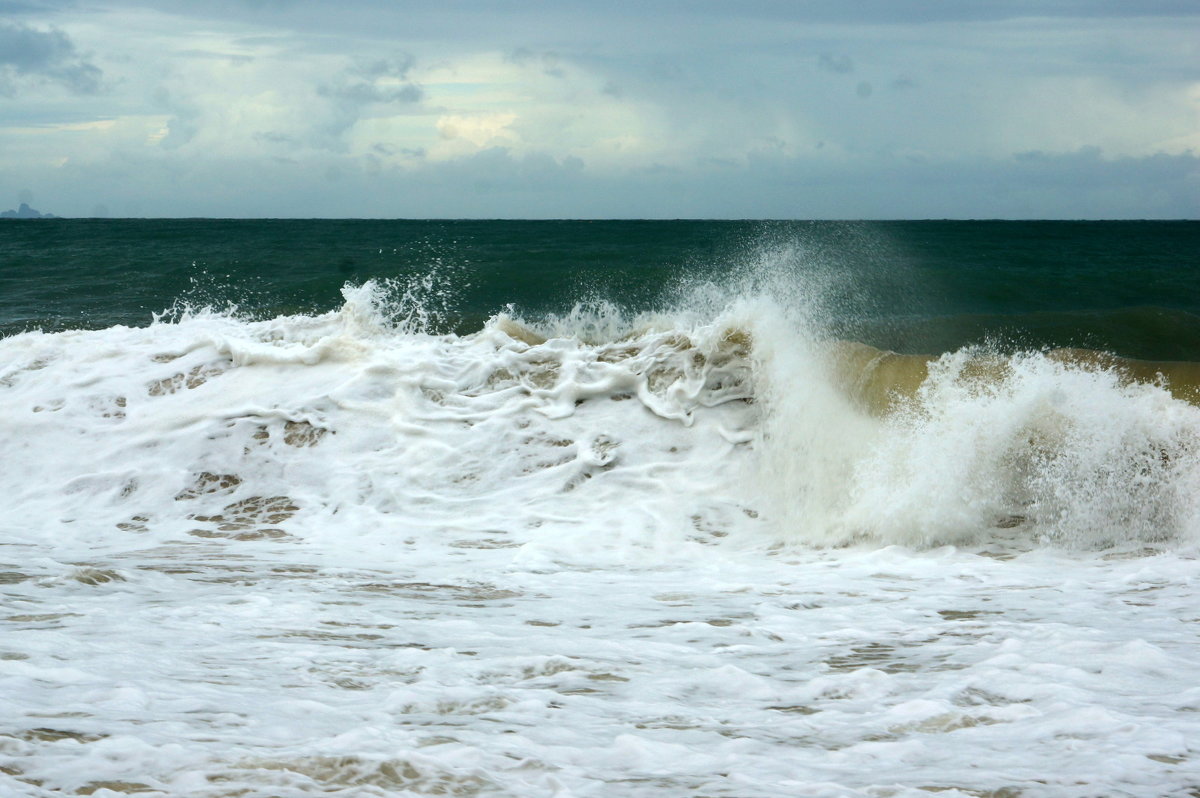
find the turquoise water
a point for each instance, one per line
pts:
(1129, 287)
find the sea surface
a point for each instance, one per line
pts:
(694, 508)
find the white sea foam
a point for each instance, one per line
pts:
(338, 555)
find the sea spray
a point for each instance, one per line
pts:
(810, 435)
(1067, 447)
(1072, 455)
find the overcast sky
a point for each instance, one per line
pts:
(648, 109)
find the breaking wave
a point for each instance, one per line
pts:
(730, 419)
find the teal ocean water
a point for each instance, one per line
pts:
(630, 509)
(1128, 287)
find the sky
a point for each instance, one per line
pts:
(806, 109)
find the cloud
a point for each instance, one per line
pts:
(15, 7)
(383, 80)
(923, 11)
(548, 61)
(356, 90)
(29, 55)
(516, 21)
(682, 107)
(840, 64)
(499, 182)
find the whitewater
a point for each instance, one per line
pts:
(706, 551)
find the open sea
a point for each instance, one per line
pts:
(695, 508)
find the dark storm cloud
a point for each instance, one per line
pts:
(50, 55)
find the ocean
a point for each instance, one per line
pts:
(612, 508)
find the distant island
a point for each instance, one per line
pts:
(25, 212)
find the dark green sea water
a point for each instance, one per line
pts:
(1128, 287)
